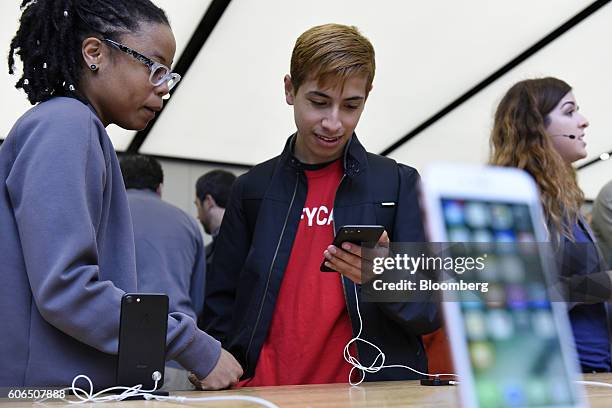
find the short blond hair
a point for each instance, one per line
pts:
(332, 51)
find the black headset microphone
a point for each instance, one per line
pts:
(568, 136)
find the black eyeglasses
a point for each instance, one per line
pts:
(159, 72)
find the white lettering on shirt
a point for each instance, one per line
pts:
(319, 215)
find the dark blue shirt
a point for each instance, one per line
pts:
(589, 321)
(170, 254)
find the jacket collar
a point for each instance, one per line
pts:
(143, 192)
(353, 159)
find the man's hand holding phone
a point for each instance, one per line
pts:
(347, 258)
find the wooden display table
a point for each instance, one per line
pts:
(379, 394)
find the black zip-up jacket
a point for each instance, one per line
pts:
(254, 245)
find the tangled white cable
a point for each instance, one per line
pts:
(137, 391)
(379, 362)
(376, 366)
(84, 396)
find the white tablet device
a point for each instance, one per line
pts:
(512, 346)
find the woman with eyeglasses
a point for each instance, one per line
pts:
(538, 128)
(66, 240)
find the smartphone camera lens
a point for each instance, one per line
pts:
(129, 299)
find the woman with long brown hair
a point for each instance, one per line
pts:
(539, 129)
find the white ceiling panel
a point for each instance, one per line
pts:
(230, 107)
(184, 17)
(579, 57)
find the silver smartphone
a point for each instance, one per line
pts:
(512, 346)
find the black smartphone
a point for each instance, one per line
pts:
(142, 340)
(355, 234)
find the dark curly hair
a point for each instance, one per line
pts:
(51, 32)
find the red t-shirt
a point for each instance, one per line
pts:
(310, 325)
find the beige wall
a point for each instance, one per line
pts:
(179, 184)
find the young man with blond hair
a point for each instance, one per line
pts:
(284, 320)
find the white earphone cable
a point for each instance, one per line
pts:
(379, 362)
(137, 391)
